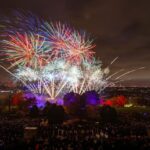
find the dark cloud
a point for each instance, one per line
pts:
(120, 27)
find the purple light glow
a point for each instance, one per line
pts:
(71, 98)
(40, 102)
(91, 97)
(60, 102)
(39, 99)
(88, 98)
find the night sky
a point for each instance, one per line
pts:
(119, 27)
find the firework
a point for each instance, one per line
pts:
(27, 74)
(51, 80)
(68, 43)
(53, 58)
(91, 77)
(20, 22)
(57, 76)
(26, 50)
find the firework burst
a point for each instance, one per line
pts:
(26, 50)
(20, 22)
(68, 43)
(52, 58)
(91, 77)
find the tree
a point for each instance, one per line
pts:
(108, 114)
(54, 113)
(91, 98)
(34, 111)
(46, 109)
(75, 104)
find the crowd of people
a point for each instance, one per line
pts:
(91, 136)
(77, 136)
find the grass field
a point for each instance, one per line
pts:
(133, 109)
